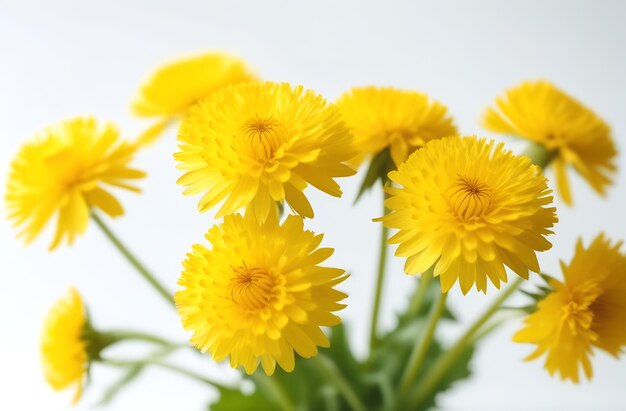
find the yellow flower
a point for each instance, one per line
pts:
(587, 310)
(403, 121)
(259, 293)
(467, 209)
(63, 350)
(256, 144)
(540, 112)
(64, 171)
(170, 90)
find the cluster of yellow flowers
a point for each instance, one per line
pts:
(464, 208)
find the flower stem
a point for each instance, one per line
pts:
(175, 368)
(273, 390)
(120, 335)
(332, 373)
(540, 155)
(417, 301)
(421, 347)
(380, 279)
(132, 259)
(443, 363)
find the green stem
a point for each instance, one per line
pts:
(420, 294)
(273, 390)
(332, 373)
(120, 335)
(175, 368)
(443, 363)
(132, 259)
(421, 347)
(380, 277)
(540, 155)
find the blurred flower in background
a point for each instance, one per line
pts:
(66, 170)
(64, 351)
(386, 117)
(575, 135)
(169, 91)
(585, 311)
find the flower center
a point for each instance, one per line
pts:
(578, 312)
(251, 287)
(469, 198)
(264, 136)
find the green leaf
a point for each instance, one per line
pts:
(235, 400)
(392, 355)
(306, 386)
(378, 168)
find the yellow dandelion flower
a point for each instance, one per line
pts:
(63, 350)
(585, 311)
(171, 89)
(401, 120)
(64, 171)
(467, 209)
(540, 112)
(259, 293)
(256, 144)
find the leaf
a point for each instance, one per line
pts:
(393, 353)
(235, 400)
(378, 168)
(306, 386)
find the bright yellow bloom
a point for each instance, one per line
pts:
(540, 112)
(171, 89)
(404, 121)
(64, 172)
(63, 350)
(467, 209)
(256, 144)
(259, 293)
(587, 310)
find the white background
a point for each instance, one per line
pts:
(59, 59)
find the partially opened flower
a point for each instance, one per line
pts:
(63, 172)
(585, 311)
(171, 89)
(467, 208)
(401, 120)
(257, 144)
(258, 294)
(575, 135)
(63, 349)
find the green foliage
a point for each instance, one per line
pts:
(374, 380)
(378, 169)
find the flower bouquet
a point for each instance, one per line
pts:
(461, 211)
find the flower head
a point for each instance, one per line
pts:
(467, 209)
(63, 349)
(259, 294)
(540, 112)
(174, 87)
(64, 171)
(385, 117)
(585, 311)
(256, 144)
